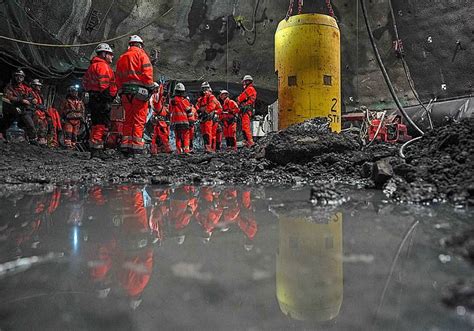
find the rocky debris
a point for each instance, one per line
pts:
(460, 294)
(301, 143)
(439, 167)
(381, 172)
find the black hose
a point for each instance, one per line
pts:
(384, 71)
(405, 67)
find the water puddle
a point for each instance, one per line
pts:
(235, 258)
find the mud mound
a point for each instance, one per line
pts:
(301, 143)
(439, 167)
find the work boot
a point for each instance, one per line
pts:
(139, 154)
(125, 153)
(34, 142)
(99, 154)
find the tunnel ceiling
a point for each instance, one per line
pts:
(221, 40)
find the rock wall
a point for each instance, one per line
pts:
(221, 40)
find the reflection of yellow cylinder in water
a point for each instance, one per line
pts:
(309, 280)
(308, 63)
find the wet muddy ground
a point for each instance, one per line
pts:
(438, 168)
(142, 257)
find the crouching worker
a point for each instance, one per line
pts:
(21, 98)
(99, 81)
(72, 111)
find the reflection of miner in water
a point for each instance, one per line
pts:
(309, 278)
(125, 256)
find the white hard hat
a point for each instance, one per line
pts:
(103, 48)
(180, 239)
(156, 84)
(205, 85)
(179, 87)
(224, 92)
(36, 82)
(135, 39)
(19, 72)
(247, 77)
(73, 88)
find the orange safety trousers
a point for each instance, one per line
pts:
(135, 118)
(160, 142)
(71, 131)
(182, 140)
(246, 130)
(98, 133)
(217, 135)
(207, 134)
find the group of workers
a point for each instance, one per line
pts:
(133, 84)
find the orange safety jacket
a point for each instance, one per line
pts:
(99, 77)
(15, 93)
(208, 104)
(40, 108)
(180, 107)
(247, 97)
(39, 98)
(134, 67)
(72, 109)
(230, 109)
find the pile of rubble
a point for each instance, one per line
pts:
(439, 167)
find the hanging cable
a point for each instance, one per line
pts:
(331, 11)
(384, 71)
(86, 44)
(112, 3)
(254, 27)
(405, 66)
(300, 7)
(290, 10)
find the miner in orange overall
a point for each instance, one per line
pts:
(161, 119)
(180, 108)
(246, 221)
(125, 256)
(229, 118)
(99, 81)
(209, 212)
(183, 204)
(72, 111)
(207, 106)
(159, 213)
(40, 117)
(21, 97)
(246, 101)
(134, 80)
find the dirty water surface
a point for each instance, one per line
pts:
(137, 257)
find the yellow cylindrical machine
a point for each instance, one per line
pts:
(309, 279)
(308, 64)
